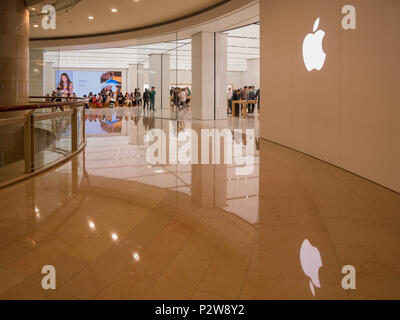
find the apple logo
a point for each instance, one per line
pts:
(310, 259)
(313, 54)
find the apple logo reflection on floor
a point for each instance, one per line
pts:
(311, 262)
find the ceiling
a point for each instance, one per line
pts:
(243, 44)
(72, 15)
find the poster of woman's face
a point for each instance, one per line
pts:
(65, 83)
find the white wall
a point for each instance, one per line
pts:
(182, 77)
(348, 113)
(252, 75)
(235, 78)
(185, 77)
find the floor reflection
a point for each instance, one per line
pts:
(116, 227)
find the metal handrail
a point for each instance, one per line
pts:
(44, 105)
(28, 120)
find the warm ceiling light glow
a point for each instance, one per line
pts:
(36, 26)
(33, 9)
(92, 225)
(114, 10)
(90, 17)
(136, 0)
(114, 236)
(136, 256)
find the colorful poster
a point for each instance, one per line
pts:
(82, 82)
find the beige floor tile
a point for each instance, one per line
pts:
(223, 278)
(112, 237)
(28, 289)
(58, 295)
(91, 280)
(8, 280)
(184, 274)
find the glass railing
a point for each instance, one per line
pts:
(39, 135)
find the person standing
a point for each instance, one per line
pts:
(59, 95)
(146, 99)
(252, 97)
(230, 95)
(120, 99)
(139, 97)
(258, 99)
(176, 98)
(182, 99)
(152, 98)
(235, 97)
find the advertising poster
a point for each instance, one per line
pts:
(82, 82)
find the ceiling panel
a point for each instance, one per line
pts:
(243, 44)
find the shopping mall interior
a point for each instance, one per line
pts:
(199, 150)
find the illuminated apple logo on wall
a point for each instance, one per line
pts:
(311, 262)
(313, 54)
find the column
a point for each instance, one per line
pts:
(159, 66)
(209, 68)
(209, 185)
(209, 181)
(132, 76)
(140, 77)
(14, 52)
(221, 67)
(252, 75)
(36, 72)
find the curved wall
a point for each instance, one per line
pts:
(348, 113)
(127, 37)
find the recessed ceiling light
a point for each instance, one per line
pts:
(33, 9)
(114, 10)
(36, 26)
(90, 17)
(136, 0)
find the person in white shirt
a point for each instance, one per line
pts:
(182, 98)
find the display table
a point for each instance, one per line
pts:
(242, 103)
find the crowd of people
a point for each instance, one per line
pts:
(180, 97)
(136, 98)
(107, 98)
(247, 93)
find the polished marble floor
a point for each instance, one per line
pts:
(116, 227)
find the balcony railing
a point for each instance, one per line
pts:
(39, 135)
